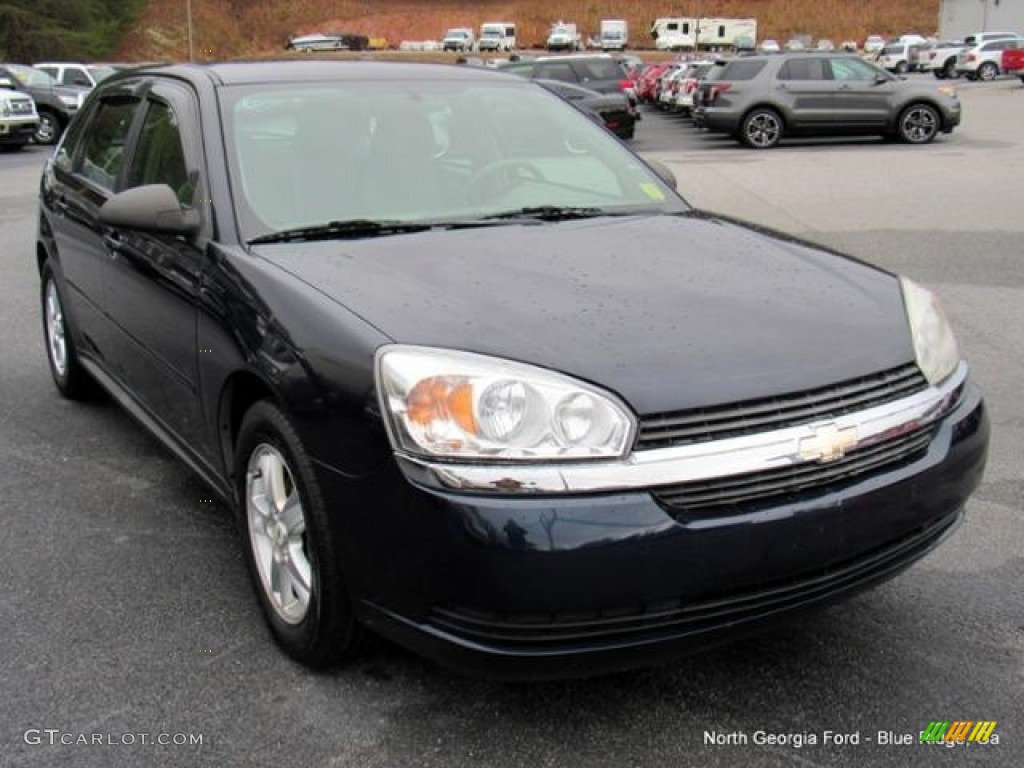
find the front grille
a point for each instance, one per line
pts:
(754, 416)
(21, 107)
(681, 616)
(723, 494)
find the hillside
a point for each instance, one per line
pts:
(224, 29)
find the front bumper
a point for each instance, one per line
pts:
(566, 585)
(18, 130)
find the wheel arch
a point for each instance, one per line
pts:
(765, 105)
(943, 122)
(240, 391)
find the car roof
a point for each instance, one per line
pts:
(317, 70)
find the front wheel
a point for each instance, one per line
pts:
(49, 128)
(918, 124)
(68, 375)
(988, 71)
(902, 68)
(290, 544)
(761, 129)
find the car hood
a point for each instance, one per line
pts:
(669, 311)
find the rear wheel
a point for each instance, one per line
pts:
(290, 544)
(761, 129)
(918, 124)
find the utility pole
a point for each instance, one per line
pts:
(188, 14)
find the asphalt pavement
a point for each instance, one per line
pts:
(129, 635)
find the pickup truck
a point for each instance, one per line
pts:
(1013, 62)
(18, 118)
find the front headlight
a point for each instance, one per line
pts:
(934, 344)
(69, 101)
(460, 405)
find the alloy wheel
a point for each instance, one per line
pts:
(46, 132)
(762, 130)
(56, 342)
(919, 124)
(277, 533)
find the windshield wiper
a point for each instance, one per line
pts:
(550, 213)
(341, 230)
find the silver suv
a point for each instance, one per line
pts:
(761, 99)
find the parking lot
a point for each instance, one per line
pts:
(127, 613)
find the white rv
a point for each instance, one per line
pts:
(497, 36)
(614, 35)
(678, 34)
(721, 34)
(674, 34)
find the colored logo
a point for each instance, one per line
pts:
(958, 730)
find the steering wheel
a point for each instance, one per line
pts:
(516, 168)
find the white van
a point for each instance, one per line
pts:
(497, 36)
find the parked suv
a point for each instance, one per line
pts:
(984, 60)
(56, 104)
(899, 57)
(761, 99)
(18, 118)
(76, 75)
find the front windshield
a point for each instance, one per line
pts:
(30, 77)
(421, 151)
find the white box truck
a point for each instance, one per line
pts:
(497, 36)
(614, 35)
(564, 37)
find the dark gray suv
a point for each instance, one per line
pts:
(762, 99)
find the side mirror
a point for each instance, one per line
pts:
(662, 171)
(151, 208)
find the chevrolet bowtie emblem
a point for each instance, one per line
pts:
(828, 443)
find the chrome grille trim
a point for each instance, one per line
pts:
(716, 459)
(22, 107)
(728, 492)
(703, 424)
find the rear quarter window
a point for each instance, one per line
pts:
(742, 70)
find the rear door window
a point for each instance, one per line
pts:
(742, 70)
(804, 69)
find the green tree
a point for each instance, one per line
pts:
(63, 29)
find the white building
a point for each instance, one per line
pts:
(958, 18)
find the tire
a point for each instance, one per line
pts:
(762, 128)
(949, 69)
(901, 68)
(918, 124)
(49, 129)
(69, 377)
(290, 544)
(988, 71)
(940, 74)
